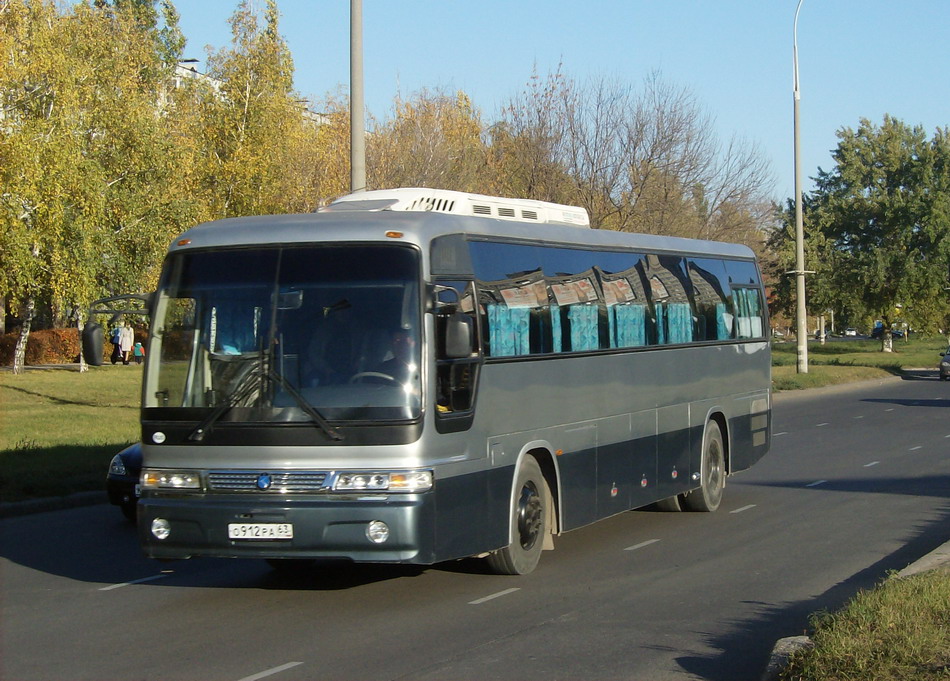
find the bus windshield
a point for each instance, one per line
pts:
(277, 333)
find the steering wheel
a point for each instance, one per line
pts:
(355, 378)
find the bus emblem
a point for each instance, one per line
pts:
(264, 481)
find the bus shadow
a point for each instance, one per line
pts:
(934, 486)
(339, 575)
(910, 402)
(333, 575)
(744, 652)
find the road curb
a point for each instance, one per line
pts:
(20, 508)
(785, 647)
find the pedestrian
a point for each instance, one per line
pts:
(114, 337)
(126, 339)
(138, 350)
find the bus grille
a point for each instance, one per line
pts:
(281, 482)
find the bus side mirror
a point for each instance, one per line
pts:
(458, 336)
(92, 338)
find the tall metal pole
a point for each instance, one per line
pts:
(801, 332)
(357, 116)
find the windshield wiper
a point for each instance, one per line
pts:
(308, 409)
(245, 386)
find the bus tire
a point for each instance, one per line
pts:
(713, 473)
(527, 523)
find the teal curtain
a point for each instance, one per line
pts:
(749, 312)
(674, 323)
(508, 330)
(627, 325)
(680, 323)
(584, 335)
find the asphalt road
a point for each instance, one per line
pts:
(857, 484)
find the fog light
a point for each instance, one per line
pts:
(377, 531)
(161, 528)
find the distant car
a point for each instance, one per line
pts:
(122, 482)
(945, 365)
(851, 331)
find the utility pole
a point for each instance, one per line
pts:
(801, 332)
(357, 116)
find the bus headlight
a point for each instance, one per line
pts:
(170, 479)
(392, 481)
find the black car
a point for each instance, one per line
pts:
(945, 366)
(122, 482)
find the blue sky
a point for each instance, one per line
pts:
(857, 59)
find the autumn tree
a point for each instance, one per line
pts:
(82, 151)
(641, 160)
(432, 140)
(248, 125)
(527, 144)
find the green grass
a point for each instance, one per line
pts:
(59, 428)
(848, 361)
(896, 632)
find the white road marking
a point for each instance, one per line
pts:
(271, 672)
(859, 417)
(891, 409)
(873, 463)
(493, 596)
(816, 483)
(785, 432)
(820, 425)
(641, 544)
(914, 449)
(134, 581)
(744, 508)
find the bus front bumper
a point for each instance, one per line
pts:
(329, 527)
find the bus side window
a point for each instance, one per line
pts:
(746, 299)
(456, 371)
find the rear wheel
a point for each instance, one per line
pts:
(713, 474)
(527, 523)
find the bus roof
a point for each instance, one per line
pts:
(421, 228)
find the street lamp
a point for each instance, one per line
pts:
(357, 119)
(800, 322)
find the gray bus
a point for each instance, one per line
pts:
(416, 376)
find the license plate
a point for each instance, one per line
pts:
(260, 531)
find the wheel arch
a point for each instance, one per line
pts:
(716, 414)
(543, 453)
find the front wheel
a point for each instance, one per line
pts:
(713, 474)
(527, 524)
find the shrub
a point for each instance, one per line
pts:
(45, 346)
(51, 346)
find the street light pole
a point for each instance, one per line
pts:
(357, 116)
(801, 332)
